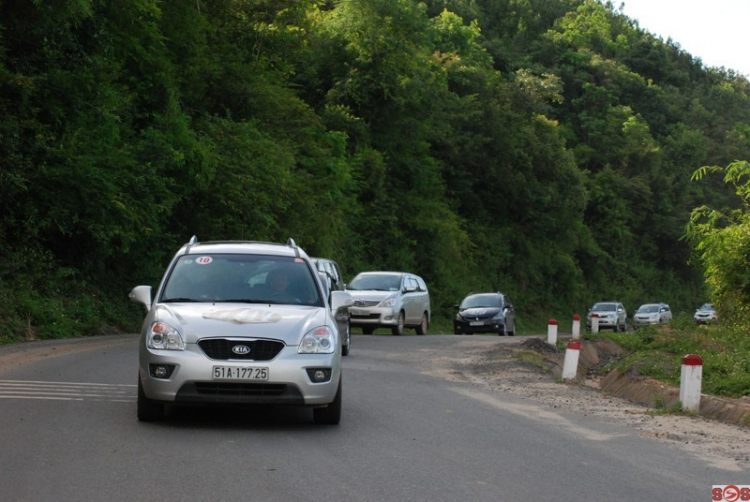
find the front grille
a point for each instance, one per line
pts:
(221, 349)
(365, 303)
(240, 389)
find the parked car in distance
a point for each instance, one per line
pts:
(240, 322)
(394, 300)
(485, 313)
(611, 315)
(705, 314)
(334, 281)
(652, 313)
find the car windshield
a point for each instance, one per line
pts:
(648, 309)
(241, 278)
(604, 307)
(707, 306)
(475, 301)
(375, 282)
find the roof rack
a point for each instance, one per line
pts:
(193, 241)
(290, 242)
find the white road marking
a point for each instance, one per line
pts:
(66, 391)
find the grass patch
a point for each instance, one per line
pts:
(657, 352)
(533, 358)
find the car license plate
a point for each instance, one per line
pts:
(358, 312)
(476, 323)
(240, 373)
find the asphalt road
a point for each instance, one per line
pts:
(68, 432)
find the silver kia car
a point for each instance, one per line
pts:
(240, 323)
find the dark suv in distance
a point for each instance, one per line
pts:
(485, 313)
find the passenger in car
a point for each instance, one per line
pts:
(278, 282)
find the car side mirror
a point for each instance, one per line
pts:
(341, 299)
(410, 289)
(141, 294)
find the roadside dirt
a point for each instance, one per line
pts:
(532, 369)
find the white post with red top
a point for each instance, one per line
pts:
(570, 363)
(690, 382)
(594, 323)
(552, 331)
(576, 327)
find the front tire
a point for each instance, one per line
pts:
(348, 341)
(422, 328)
(331, 414)
(148, 409)
(398, 329)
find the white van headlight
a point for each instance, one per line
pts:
(388, 302)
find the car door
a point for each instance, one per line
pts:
(622, 315)
(410, 292)
(510, 314)
(665, 314)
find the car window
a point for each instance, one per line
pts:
(477, 301)
(240, 278)
(603, 307)
(376, 282)
(648, 309)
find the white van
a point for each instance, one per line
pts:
(394, 300)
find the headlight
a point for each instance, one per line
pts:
(162, 336)
(317, 341)
(388, 302)
(499, 317)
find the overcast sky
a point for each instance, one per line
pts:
(716, 31)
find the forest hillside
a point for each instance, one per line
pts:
(541, 147)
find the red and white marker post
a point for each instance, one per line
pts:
(576, 327)
(552, 331)
(594, 323)
(570, 363)
(691, 375)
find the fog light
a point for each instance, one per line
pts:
(319, 375)
(161, 371)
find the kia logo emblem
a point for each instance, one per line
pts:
(241, 350)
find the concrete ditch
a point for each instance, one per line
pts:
(596, 354)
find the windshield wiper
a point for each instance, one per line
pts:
(180, 300)
(242, 300)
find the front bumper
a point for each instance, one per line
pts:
(486, 326)
(645, 322)
(373, 316)
(604, 322)
(704, 320)
(191, 378)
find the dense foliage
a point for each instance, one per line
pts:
(541, 147)
(722, 244)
